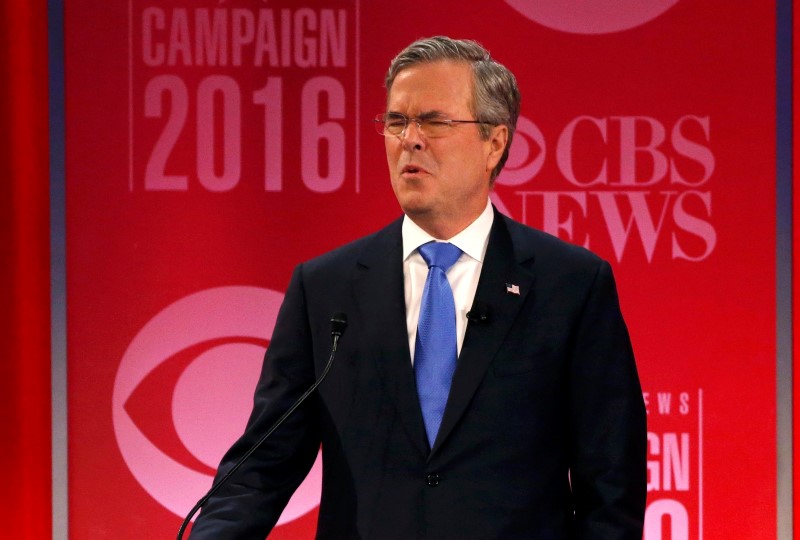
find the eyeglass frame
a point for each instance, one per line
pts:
(380, 120)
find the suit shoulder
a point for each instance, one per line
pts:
(548, 249)
(343, 257)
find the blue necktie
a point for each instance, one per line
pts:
(436, 351)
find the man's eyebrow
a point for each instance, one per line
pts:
(429, 115)
(425, 115)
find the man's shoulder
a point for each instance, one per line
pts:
(530, 243)
(359, 249)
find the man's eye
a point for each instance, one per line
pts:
(394, 121)
(436, 128)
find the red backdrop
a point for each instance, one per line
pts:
(24, 271)
(213, 146)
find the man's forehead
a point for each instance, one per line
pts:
(432, 87)
(455, 68)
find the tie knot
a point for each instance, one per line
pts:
(440, 254)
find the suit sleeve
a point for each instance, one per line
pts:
(607, 421)
(249, 505)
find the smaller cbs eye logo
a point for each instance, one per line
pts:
(184, 390)
(526, 156)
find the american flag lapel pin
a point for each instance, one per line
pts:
(512, 289)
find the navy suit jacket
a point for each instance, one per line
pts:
(544, 431)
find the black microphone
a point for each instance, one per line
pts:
(338, 325)
(479, 313)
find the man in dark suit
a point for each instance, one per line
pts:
(510, 408)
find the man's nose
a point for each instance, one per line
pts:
(412, 137)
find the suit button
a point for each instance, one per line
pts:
(432, 480)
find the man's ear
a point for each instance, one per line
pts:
(498, 140)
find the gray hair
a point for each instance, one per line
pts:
(495, 92)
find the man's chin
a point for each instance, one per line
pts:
(415, 206)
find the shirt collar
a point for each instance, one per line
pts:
(472, 240)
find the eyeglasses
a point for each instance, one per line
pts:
(395, 124)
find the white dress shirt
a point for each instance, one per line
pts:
(463, 275)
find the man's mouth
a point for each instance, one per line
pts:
(413, 169)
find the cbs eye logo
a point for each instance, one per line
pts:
(184, 390)
(591, 16)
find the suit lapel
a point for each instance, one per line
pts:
(379, 293)
(501, 267)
